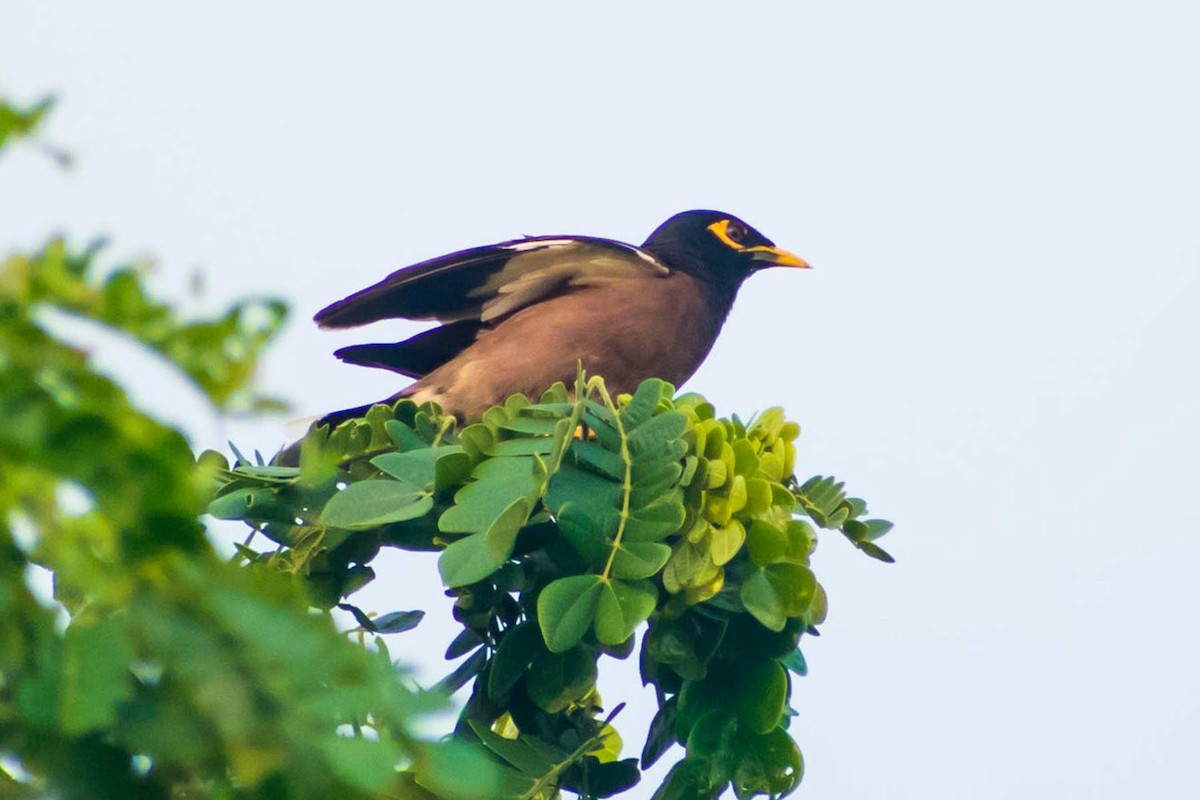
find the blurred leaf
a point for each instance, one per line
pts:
(516, 753)
(520, 645)
(661, 735)
(557, 679)
(96, 677)
(16, 122)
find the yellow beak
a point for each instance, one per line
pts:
(776, 257)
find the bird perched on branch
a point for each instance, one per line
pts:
(519, 316)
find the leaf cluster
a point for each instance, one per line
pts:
(219, 354)
(564, 526)
(178, 674)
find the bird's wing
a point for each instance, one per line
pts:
(487, 283)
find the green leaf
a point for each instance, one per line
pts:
(634, 560)
(818, 608)
(649, 484)
(602, 778)
(254, 505)
(96, 677)
(725, 542)
(403, 436)
(517, 649)
(532, 425)
(362, 763)
(642, 405)
(876, 552)
(501, 535)
(802, 539)
(760, 695)
(796, 663)
(426, 468)
(464, 672)
(371, 503)
(566, 608)
(745, 458)
(656, 521)
(557, 679)
(466, 641)
(524, 446)
(585, 488)
(598, 459)
(497, 483)
(765, 543)
(455, 771)
(689, 780)
(589, 532)
(466, 561)
(452, 468)
(689, 565)
(476, 440)
(778, 591)
(769, 764)
(622, 607)
(270, 473)
(651, 438)
(414, 467)
(876, 528)
(477, 556)
(397, 621)
(661, 735)
(716, 473)
(514, 751)
(758, 496)
(711, 735)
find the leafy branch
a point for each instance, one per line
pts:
(179, 674)
(565, 525)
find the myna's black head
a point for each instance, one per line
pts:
(716, 247)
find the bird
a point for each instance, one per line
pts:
(518, 316)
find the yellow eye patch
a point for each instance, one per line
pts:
(721, 231)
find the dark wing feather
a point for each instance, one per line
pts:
(415, 357)
(487, 283)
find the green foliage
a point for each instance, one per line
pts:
(564, 526)
(17, 122)
(177, 674)
(219, 355)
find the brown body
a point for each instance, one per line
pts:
(518, 316)
(625, 331)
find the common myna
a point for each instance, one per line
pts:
(518, 316)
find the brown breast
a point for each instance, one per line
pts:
(626, 331)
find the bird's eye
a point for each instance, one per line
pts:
(737, 233)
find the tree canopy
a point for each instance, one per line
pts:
(571, 527)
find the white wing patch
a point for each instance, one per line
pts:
(538, 244)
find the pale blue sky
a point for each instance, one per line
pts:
(997, 348)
